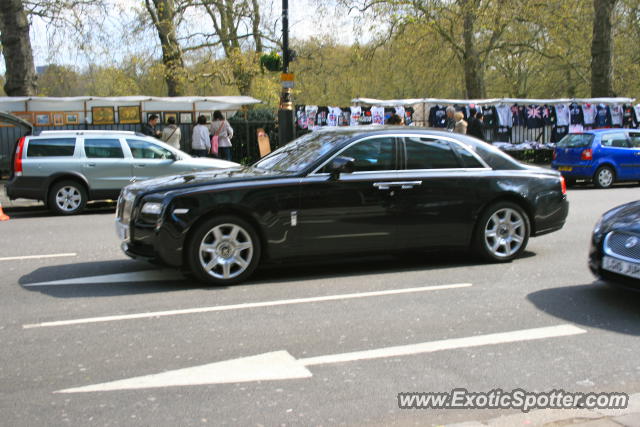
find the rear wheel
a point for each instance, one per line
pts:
(502, 232)
(67, 197)
(604, 177)
(223, 251)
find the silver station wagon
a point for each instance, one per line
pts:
(66, 169)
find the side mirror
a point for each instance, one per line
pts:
(341, 165)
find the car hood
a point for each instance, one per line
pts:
(623, 218)
(194, 179)
(204, 162)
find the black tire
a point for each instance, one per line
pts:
(507, 245)
(230, 253)
(604, 177)
(67, 197)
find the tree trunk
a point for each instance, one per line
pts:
(602, 49)
(163, 16)
(18, 56)
(473, 67)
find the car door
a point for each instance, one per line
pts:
(150, 160)
(352, 213)
(634, 140)
(437, 210)
(104, 164)
(615, 148)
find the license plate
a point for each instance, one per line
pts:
(625, 268)
(565, 168)
(122, 231)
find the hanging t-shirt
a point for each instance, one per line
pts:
(408, 116)
(356, 112)
(589, 114)
(563, 116)
(628, 117)
(321, 116)
(438, 117)
(517, 115)
(505, 118)
(490, 116)
(636, 109)
(334, 114)
(578, 128)
(345, 117)
(534, 117)
(400, 111)
(311, 111)
(603, 116)
(616, 115)
(365, 117)
(377, 115)
(548, 115)
(577, 117)
(301, 117)
(558, 133)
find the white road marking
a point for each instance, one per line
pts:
(246, 305)
(280, 365)
(137, 276)
(14, 258)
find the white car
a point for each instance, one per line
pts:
(65, 169)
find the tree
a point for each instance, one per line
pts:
(164, 16)
(602, 49)
(18, 55)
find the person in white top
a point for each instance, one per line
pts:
(171, 134)
(200, 142)
(222, 128)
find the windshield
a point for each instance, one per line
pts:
(300, 153)
(576, 140)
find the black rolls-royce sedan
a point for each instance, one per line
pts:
(615, 246)
(339, 192)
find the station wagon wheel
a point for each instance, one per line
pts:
(502, 232)
(67, 198)
(604, 177)
(223, 251)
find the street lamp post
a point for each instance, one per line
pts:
(285, 112)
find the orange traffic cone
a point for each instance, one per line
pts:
(3, 217)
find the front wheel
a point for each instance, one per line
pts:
(502, 232)
(604, 177)
(223, 251)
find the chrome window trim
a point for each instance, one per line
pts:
(405, 135)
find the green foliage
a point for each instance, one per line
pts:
(271, 61)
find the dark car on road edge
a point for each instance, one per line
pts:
(343, 191)
(615, 246)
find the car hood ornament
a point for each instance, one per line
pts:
(631, 242)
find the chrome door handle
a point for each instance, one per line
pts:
(91, 164)
(140, 165)
(404, 185)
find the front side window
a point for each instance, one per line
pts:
(376, 154)
(614, 140)
(634, 139)
(426, 153)
(103, 149)
(146, 150)
(58, 147)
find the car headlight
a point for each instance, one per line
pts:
(152, 208)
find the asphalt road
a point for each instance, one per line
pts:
(550, 286)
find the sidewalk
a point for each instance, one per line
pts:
(629, 417)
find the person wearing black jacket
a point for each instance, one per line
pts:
(149, 128)
(475, 126)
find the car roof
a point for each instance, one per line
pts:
(78, 132)
(606, 130)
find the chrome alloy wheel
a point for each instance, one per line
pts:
(605, 177)
(68, 198)
(504, 232)
(226, 251)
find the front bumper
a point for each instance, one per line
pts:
(596, 258)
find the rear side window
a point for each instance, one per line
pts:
(146, 150)
(635, 139)
(614, 140)
(103, 149)
(468, 159)
(575, 140)
(424, 153)
(58, 147)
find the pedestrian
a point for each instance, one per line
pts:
(395, 120)
(200, 141)
(476, 125)
(223, 130)
(171, 134)
(451, 121)
(149, 128)
(461, 125)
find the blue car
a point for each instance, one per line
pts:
(604, 156)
